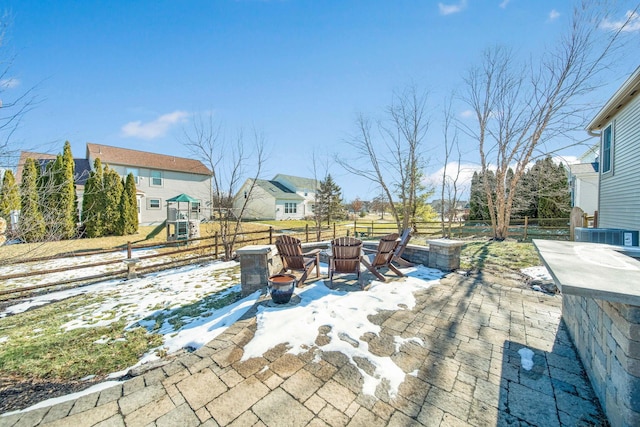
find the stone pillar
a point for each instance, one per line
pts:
(131, 267)
(444, 254)
(257, 263)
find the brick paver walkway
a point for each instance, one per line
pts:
(468, 372)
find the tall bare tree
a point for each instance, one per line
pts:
(451, 187)
(229, 162)
(14, 102)
(393, 157)
(519, 106)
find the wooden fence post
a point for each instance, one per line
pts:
(306, 232)
(271, 235)
(334, 230)
(215, 247)
(128, 250)
(526, 223)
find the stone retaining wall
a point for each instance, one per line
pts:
(607, 337)
(258, 262)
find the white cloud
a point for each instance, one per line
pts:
(466, 114)
(504, 3)
(464, 180)
(553, 15)
(156, 128)
(629, 24)
(448, 9)
(9, 83)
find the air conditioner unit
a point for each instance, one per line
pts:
(609, 236)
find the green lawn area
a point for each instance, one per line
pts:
(498, 256)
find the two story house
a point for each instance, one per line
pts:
(158, 177)
(283, 197)
(617, 125)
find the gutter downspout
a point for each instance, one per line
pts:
(599, 135)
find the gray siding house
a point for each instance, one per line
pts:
(618, 126)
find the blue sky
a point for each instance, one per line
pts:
(133, 73)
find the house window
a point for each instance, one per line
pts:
(153, 204)
(135, 172)
(156, 178)
(290, 208)
(607, 142)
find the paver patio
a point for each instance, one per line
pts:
(467, 372)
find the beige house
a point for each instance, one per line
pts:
(283, 197)
(158, 177)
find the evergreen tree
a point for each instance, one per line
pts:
(93, 202)
(554, 199)
(68, 200)
(128, 223)
(57, 192)
(9, 196)
(31, 224)
(113, 189)
(476, 198)
(478, 203)
(329, 199)
(131, 223)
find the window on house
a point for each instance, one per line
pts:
(290, 208)
(153, 203)
(133, 171)
(607, 142)
(156, 178)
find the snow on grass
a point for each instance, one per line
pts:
(190, 306)
(537, 272)
(55, 264)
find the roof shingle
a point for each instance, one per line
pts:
(142, 159)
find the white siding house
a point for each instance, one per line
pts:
(283, 197)
(584, 186)
(618, 125)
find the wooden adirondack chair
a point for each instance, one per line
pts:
(290, 251)
(402, 244)
(383, 257)
(346, 253)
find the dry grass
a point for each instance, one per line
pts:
(145, 235)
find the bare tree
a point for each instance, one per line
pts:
(14, 103)
(318, 212)
(519, 107)
(395, 161)
(449, 190)
(228, 162)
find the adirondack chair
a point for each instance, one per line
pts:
(402, 244)
(383, 257)
(346, 253)
(290, 251)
